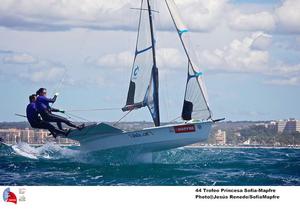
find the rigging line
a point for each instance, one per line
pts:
(66, 69)
(71, 118)
(76, 116)
(122, 117)
(59, 86)
(20, 115)
(95, 109)
(143, 9)
(174, 119)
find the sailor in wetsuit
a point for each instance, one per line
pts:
(36, 122)
(43, 107)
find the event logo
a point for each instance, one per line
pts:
(21, 195)
(9, 196)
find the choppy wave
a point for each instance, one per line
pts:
(51, 164)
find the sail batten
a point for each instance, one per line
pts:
(195, 94)
(143, 50)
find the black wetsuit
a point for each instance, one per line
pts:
(43, 107)
(36, 122)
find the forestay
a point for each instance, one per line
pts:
(195, 104)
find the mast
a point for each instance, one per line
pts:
(154, 70)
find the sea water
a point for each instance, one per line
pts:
(51, 164)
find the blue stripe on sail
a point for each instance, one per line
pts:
(146, 49)
(197, 74)
(183, 31)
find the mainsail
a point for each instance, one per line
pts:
(143, 87)
(195, 104)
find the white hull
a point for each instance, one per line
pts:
(104, 137)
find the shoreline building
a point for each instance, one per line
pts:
(288, 126)
(40, 136)
(11, 136)
(220, 137)
(27, 135)
(31, 136)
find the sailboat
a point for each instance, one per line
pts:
(144, 92)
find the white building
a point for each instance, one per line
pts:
(288, 126)
(220, 137)
(11, 135)
(40, 136)
(27, 135)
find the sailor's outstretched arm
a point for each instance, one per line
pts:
(52, 100)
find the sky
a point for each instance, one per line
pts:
(249, 51)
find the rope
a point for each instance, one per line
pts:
(59, 86)
(122, 117)
(68, 116)
(20, 115)
(76, 116)
(175, 119)
(97, 109)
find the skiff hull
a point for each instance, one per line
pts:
(102, 137)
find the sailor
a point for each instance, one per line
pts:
(43, 107)
(36, 122)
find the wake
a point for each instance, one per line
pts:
(49, 150)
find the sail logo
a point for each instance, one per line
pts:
(184, 128)
(135, 72)
(9, 196)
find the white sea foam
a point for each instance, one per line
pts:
(47, 151)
